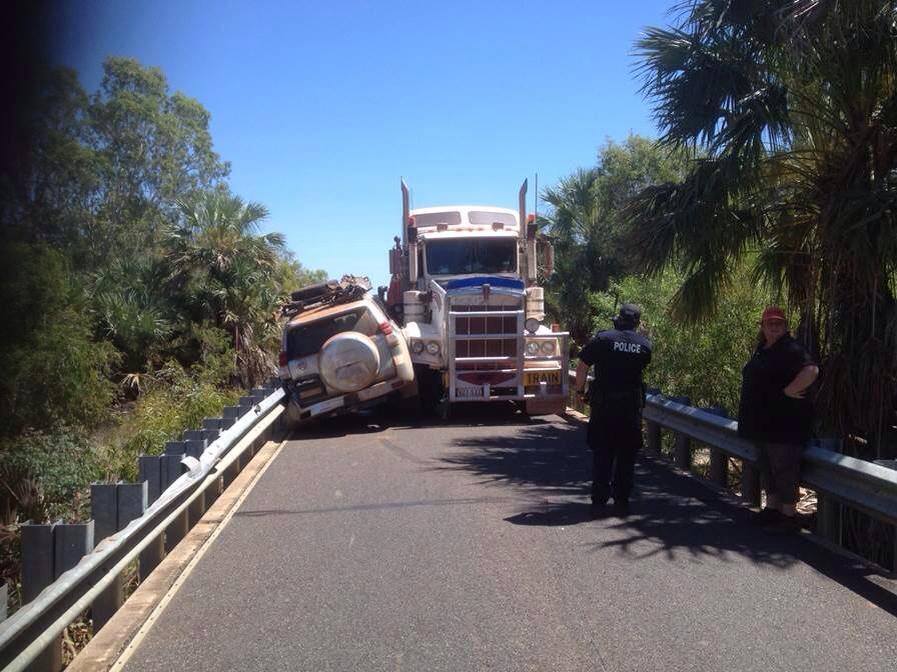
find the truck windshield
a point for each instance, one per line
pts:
(471, 255)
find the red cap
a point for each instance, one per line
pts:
(773, 313)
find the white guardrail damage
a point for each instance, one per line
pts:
(36, 628)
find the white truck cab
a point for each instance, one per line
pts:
(465, 288)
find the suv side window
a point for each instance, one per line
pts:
(306, 339)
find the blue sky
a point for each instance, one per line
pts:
(320, 108)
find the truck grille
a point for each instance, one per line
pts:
(467, 327)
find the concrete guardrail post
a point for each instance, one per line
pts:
(128, 502)
(195, 447)
(171, 471)
(173, 448)
(150, 472)
(48, 551)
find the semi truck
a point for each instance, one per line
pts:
(464, 287)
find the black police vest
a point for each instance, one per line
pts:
(619, 357)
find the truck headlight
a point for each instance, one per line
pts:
(532, 348)
(548, 347)
(432, 348)
(417, 347)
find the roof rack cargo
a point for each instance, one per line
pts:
(348, 288)
(314, 291)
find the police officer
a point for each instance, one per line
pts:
(617, 396)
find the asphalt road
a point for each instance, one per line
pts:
(372, 545)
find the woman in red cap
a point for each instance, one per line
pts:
(775, 412)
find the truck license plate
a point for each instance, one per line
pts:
(552, 377)
(469, 392)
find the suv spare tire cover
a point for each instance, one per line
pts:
(350, 361)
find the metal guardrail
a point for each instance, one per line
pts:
(28, 633)
(859, 484)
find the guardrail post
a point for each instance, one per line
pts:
(652, 430)
(37, 559)
(829, 511)
(196, 509)
(171, 471)
(4, 598)
(194, 447)
(72, 541)
(130, 502)
(682, 444)
(719, 461)
(37, 574)
(211, 423)
(682, 452)
(719, 467)
(103, 509)
(149, 470)
(47, 552)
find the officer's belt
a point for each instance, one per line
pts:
(616, 395)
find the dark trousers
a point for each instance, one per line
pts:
(615, 436)
(780, 470)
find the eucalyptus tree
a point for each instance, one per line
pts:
(226, 272)
(793, 108)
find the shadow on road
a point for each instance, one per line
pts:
(376, 419)
(543, 459)
(671, 515)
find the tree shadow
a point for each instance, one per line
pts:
(672, 516)
(384, 416)
(542, 460)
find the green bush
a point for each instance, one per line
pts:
(179, 399)
(47, 475)
(52, 370)
(702, 361)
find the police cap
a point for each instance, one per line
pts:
(629, 317)
(630, 312)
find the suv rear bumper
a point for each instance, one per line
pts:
(344, 402)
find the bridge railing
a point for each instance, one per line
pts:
(838, 480)
(91, 577)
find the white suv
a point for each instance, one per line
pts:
(340, 351)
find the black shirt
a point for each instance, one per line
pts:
(766, 413)
(619, 357)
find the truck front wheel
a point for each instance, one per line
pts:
(430, 389)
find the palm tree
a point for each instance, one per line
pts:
(572, 220)
(227, 270)
(793, 106)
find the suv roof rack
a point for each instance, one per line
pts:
(349, 288)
